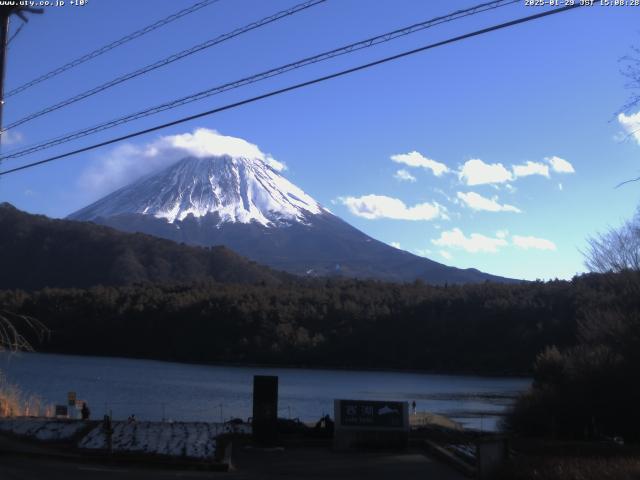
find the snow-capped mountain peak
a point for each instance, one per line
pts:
(237, 189)
(239, 200)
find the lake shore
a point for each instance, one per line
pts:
(197, 392)
(303, 366)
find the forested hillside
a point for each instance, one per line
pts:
(38, 252)
(174, 302)
(487, 328)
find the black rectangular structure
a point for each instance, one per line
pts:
(265, 409)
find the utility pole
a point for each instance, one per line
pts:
(5, 13)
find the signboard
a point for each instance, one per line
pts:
(71, 399)
(371, 424)
(61, 411)
(367, 413)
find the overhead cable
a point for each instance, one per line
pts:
(110, 46)
(294, 87)
(367, 43)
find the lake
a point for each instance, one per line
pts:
(153, 390)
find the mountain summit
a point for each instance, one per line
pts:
(237, 189)
(248, 206)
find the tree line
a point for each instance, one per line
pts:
(481, 328)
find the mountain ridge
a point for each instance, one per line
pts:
(38, 252)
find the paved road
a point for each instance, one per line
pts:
(23, 468)
(322, 463)
(295, 463)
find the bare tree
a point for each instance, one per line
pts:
(616, 250)
(11, 325)
(12, 401)
(631, 71)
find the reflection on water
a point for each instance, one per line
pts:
(153, 390)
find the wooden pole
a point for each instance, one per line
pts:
(5, 13)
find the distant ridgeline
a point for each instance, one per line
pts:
(210, 305)
(38, 252)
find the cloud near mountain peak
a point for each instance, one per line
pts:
(128, 162)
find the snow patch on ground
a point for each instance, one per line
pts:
(188, 439)
(196, 440)
(42, 429)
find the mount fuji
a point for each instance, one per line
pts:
(248, 206)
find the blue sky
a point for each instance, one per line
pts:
(463, 124)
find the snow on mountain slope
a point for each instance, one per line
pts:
(239, 190)
(225, 191)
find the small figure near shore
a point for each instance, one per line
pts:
(131, 419)
(85, 412)
(413, 407)
(324, 426)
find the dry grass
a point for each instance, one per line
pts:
(14, 403)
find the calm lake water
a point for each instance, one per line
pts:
(153, 390)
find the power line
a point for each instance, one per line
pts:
(296, 86)
(99, 51)
(168, 60)
(370, 42)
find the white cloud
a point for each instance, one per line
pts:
(129, 162)
(275, 164)
(379, 206)
(204, 142)
(531, 168)
(476, 172)
(445, 254)
(476, 201)
(11, 137)
(404, 176)
(533, 242)
(121, 166)
(395, 245)
(472, 244)
(631, 124)
(424, 252)
(476, 242)
(559, 165)
(416, 159)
